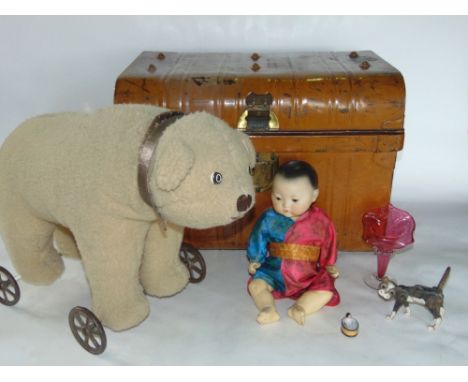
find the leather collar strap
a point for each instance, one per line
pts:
(146, 154)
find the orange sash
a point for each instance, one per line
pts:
(288, 251)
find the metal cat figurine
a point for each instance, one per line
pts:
(430, 297)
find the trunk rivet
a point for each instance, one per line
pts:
(255, 57)
(364, 65)
(255, 67)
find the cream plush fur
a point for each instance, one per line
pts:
(72, 177)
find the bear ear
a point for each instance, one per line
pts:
(249, 147)
(173, 164)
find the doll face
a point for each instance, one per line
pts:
(292, 197)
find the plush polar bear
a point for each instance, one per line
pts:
(72, 177)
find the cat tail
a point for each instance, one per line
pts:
(444, 279)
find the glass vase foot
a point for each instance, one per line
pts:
(372, 281)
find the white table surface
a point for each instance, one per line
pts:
(213, 323)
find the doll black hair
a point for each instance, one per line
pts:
(297, 168)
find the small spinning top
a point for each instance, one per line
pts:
(349, 326)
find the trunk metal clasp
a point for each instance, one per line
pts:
(258, 116)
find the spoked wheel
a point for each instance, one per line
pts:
(9, 289)
(87, 330)
(194, 262)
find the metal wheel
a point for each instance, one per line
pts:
(87, 330)
(194, 262)
(9, 289)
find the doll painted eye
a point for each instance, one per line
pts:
(216, 178)
(295, 200)
(251, 171)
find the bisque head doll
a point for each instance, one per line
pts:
(295, 188)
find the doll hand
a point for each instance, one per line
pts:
(253, 267)
(332, 271)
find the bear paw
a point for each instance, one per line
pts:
(122, 317)
(168, 284)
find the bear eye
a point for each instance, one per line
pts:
(216, 178)
(251, 171)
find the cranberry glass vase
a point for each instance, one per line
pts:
(387, 229)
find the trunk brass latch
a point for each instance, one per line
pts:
(258, 116)
(265, 170)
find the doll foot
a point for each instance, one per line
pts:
(297, 313)
(267, 316)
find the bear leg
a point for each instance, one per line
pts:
(162, 272)
(28, 240)
(65, 243)
(111, 250)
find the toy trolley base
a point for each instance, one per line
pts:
(84, 325)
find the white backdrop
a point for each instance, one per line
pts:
(53, 64)
(50, 64)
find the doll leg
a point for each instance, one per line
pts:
(111, 251)
(28, 240)
(264, 301)
(308, 303)
(162, 272)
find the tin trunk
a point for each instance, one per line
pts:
(341, 112)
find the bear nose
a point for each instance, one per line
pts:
(244, 202)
